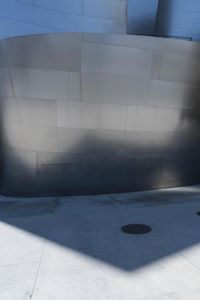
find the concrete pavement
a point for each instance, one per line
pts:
(73, 248)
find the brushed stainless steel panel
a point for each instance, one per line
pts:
(149, 142)
(102, 123)
(70, 6)
(10, 109)
(116, 60)
(133, 41)
(89, 115)
(3, 51)
(42, 51)
(178, 19)
(74, 89)
(157, 119)
(111, 88)
(38, 112)
(22, 17)
(24, 161)
(178, 68)
(16, 183)
(183, 168)
(125, 172)
(64, 22)
(141, 16)
(23, 137)
(32, 83)
(132, 114)
(6, 88)
(101, 9)
(180, 47)
(168, 18)
(162, 93)
(183, 143)
(80, 141)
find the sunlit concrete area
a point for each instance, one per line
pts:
(74, 248)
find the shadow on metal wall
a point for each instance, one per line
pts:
(163, 22)
(136, 166)
(92, 226)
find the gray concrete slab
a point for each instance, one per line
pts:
(73, 247)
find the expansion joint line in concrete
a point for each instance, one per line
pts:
(42, 255)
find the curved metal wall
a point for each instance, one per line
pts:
(22, 17)
(179, 18)
(168, 18)
(95, 113)
(141, 16)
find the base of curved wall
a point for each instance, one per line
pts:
(97, 113)
(54, 191)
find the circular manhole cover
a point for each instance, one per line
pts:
(136, 229)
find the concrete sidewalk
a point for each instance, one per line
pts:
(72, 248)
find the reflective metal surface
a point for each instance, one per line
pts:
(23, 17)
(141, 16)
(96, 113)
(167, 18)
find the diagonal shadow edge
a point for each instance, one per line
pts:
(100, 161)
(90, 225)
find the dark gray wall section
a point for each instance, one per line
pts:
(141, 16)
(96, 113)
(179, 18)
(167, 18)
